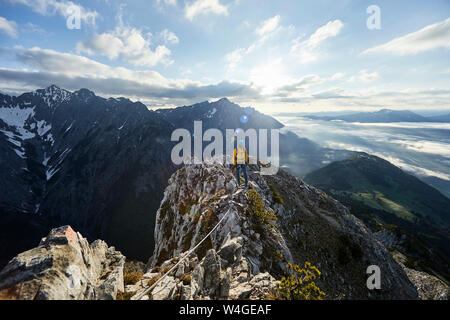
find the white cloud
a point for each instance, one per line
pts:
(233, 58)
(51, 7)
(167, 2)
(364, 76)
(199, 7)
(74, 71)
(9, 27)
(267, 29)
(306, 50)
(129, 44)
(431, 37)
(268, 26)
(337, 76)
(169, 37)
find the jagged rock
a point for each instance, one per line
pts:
(225, 283)
(165, 290)
(186, 292)
(245, 256)
(263, 285)
(63, 267)
(428, 287)
(231, 251)
(211, 265)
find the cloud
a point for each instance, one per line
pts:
(267, 29)
(298, 86)
(63, 8)
(268, 26)
(333, 93)
(337, 76)
(364, 76)
(306, 50)
(167, 2)
(73, 72)
(199, 7)
(9, 27)
(169, 37)
(233, 58)
(129, 44)
(431, 37)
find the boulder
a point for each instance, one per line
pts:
(64, 267)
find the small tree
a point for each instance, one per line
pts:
(300, 285)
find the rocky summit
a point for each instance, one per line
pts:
(279, 220)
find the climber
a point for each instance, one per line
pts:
(240, 161)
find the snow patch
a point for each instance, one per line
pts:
(52, 170)
(70, 127)
(43, 127)
(20, 153)
(121, 127)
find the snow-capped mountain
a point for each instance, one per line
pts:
(101, 165)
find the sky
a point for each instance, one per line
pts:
(276, 56)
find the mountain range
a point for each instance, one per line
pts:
(102, 165)
(382, 116)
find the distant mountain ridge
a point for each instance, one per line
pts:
(382, 116)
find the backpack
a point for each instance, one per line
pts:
(240, 155)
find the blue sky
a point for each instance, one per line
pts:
(278, 56)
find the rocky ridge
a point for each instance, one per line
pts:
(247, 254)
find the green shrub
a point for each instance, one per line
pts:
(300, 285)
(258, 208)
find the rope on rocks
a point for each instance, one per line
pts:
(139, 297)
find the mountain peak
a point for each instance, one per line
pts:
(224, 100)
(53, 95)
(84, 94)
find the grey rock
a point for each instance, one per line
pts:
(165, 290)
(64, 267)
(212, 267)
(231, 250)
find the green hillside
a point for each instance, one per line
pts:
(381, 185)
(384, 196)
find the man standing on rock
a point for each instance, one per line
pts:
(240, 161)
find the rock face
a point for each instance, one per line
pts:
(64, 267)
(246, 255)
(74, 158)
(429, 287)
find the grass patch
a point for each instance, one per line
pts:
(276, 195)
(132, 277)
(124, 295)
